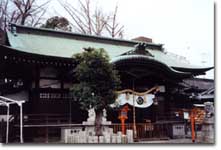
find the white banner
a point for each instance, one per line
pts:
(139, 101)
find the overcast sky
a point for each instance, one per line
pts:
(185, 27)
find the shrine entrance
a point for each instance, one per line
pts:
(147, 87)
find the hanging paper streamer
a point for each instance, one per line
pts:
(138, 101)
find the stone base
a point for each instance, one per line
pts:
(77, 135)
(106, 123)
(88, 123)
(93, 123)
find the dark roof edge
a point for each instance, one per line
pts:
(92, 37)
(202, 79)
(39, 55)
(194, 70)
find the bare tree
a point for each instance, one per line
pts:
(91, 21)
(114, 27)
(4, 4)
(24, 12)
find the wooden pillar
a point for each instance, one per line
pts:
(46, 135)
(36, 94)
(7, 128)
(46, 130)
(37, 77)
(134, 119)
(192, 119)
(62, 83)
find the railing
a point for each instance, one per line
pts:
(46, 119)
(48, 126)
(52, 132)
(147, 130)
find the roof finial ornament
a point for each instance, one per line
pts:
(140, 49)
(89, 49)
(13, 30)
(140, 46)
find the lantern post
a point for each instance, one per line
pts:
(123, 117)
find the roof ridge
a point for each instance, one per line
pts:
(84, 35)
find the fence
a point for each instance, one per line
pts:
(148, 130)
(47, 128)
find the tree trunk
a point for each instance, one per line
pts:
(98, 121)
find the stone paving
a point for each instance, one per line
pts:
(170, 141)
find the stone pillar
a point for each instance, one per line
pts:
(129, 136)
(101, 139)
(76, 138)
(114, 138)
(119, 137)
(208, 124)
(90, 139)
(123, 139)
(83, 137)
(107, 138)
(95, 139)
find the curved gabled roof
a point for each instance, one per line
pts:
(171, 64)
(148, 65)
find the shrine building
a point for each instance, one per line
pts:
(36, 66)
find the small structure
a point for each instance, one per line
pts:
(4, 101)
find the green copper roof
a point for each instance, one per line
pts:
(60, 47)
(64, 44)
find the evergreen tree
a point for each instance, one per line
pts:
(57, 23)
(97, 82)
